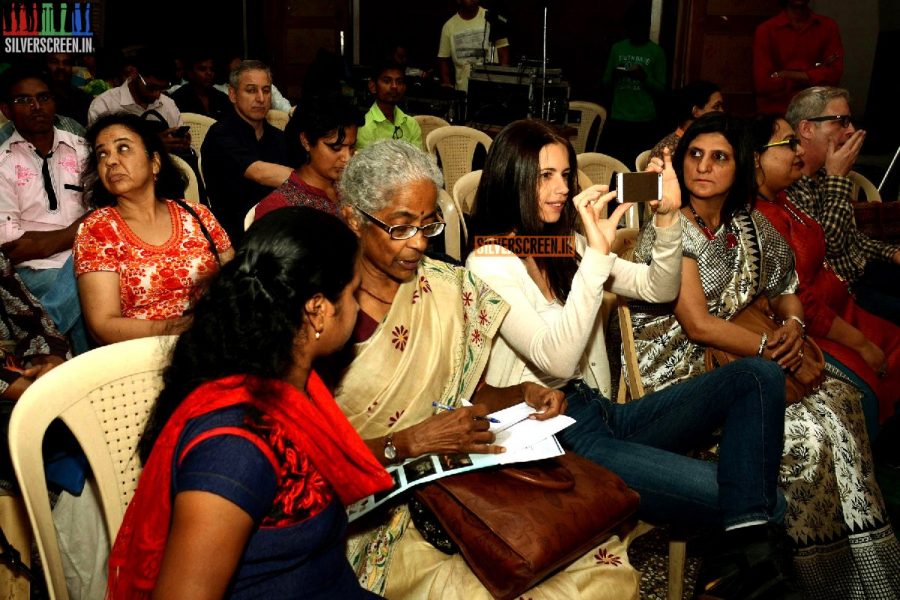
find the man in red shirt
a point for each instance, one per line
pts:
(792, 51)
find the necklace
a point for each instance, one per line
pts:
(786, 205)
(730, 239)
(382, 300)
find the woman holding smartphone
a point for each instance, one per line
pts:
(551, 336)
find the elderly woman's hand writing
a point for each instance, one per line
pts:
(599, 230)
(462, 430)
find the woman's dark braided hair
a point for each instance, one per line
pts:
(248, 320)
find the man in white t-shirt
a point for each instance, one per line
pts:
(466, 41)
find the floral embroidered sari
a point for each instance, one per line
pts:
(836, 517)
(433, 346)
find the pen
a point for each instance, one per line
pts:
(445, 407)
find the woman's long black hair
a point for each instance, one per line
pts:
(507, 197)
(170, 182)
(735, 131)
(249, 318)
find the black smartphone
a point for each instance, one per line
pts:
(181, 131)
(636, 187)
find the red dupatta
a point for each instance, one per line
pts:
(315, 425)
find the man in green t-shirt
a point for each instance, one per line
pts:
(636, 70)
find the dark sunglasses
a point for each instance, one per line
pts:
(844, 120)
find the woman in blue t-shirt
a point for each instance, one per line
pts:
(248, 460)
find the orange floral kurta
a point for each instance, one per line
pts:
(155, 282)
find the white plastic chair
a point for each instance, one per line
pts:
(455, 146)
(868, 188)
(192, 191)
(104, 397)
(428, 123)
(455, 233)
(199, 125)
(464, 191)
(590, 112)
(250, 217)
(642, 160)
(278, 118)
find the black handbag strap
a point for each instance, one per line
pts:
(203, 229)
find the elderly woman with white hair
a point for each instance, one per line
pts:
(423, 334)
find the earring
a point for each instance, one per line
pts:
(318, 334)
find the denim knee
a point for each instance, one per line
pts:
(769, 377)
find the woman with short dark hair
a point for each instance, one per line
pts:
(732, 255)
(320, 139)
(142, 255)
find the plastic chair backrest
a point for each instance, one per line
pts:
(199, 125)
(278, 118)
(250, 217)
(590, 112)
(868, 188)
(642, 160)
(464, 191)
(192, 191)
(455, 146)
(428, 123)
(104, 397)
(455, 233)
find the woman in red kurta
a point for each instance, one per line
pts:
(140, 258)
(868, 345)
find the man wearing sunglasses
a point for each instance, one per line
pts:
(821, 117)
(42, 198)
(385, 120)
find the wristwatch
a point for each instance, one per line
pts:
(390, 450)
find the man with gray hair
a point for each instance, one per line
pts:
(821, 119)
(243, 157)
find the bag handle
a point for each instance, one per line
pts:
(556, 478)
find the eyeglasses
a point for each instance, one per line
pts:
(398, 133)
(792, 141)
(42, 98)
(405, 232)
(153, 88)
(845, 120)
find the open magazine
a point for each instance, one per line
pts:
(524, 439)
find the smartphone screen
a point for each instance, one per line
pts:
(636, 187)
(181, 131)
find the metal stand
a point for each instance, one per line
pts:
(889, 169)
(544, 71)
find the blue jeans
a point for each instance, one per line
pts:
(58, 293)
(643, 442)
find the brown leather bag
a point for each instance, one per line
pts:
(515, 526)
(757, 317)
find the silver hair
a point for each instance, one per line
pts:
(811, 102)
(378, 171)
(234, 78)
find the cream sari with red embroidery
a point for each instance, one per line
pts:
(433, 345)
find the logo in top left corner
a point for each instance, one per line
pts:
(47, 27)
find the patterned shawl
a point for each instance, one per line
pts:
(433, 345)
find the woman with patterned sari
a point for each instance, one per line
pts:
(423, 335)
(843, 544)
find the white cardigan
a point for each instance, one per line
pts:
(552, 343)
